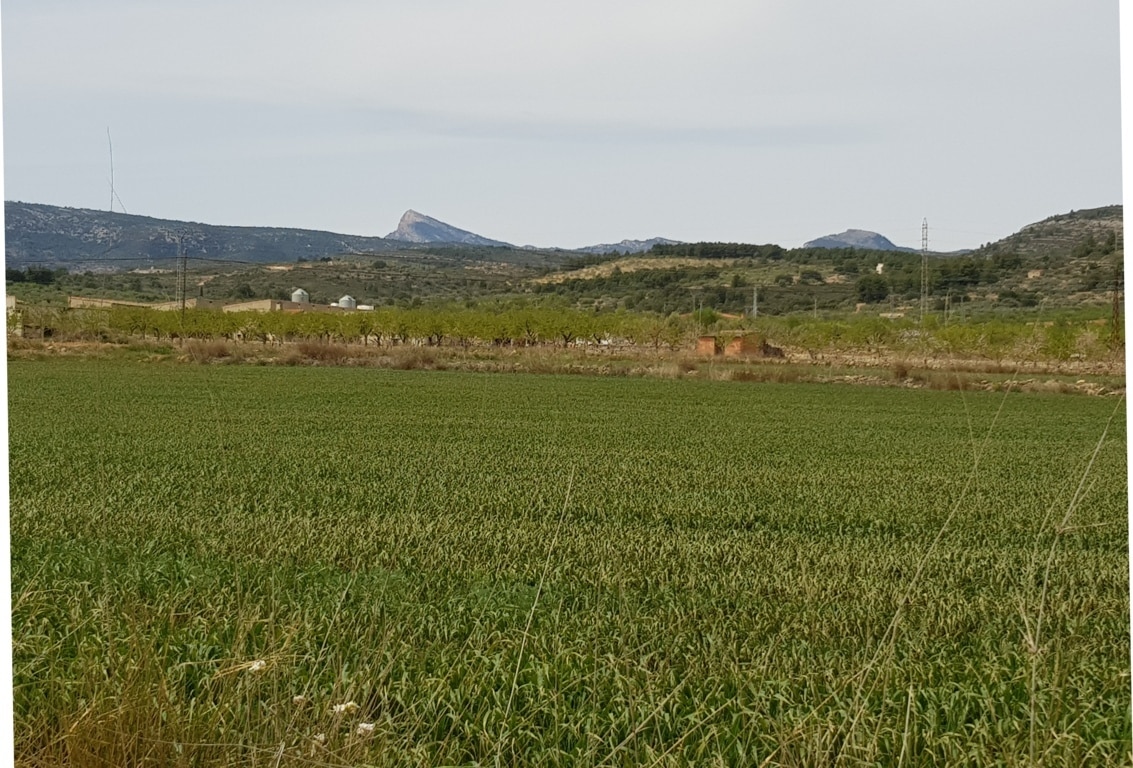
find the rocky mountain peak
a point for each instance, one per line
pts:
(855, 238)
(416, 227)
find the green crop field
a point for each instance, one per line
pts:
(268, 566)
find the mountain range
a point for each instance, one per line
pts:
(82, 239)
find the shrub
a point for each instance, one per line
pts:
(323, 352)
(206, 351)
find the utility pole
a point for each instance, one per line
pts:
(1115, 332)
(924, 269)
(755, 302)
(182, 277)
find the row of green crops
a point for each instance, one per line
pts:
(296, 566)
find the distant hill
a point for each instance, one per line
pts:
(1064, 235)
(81, 239)
(627, 246)
(84, 239)
(1072, 254)
(416, 227)
(856, 238)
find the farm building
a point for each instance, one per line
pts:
(89, 302)
(193, 302)
(300, 302)
(736, 344)
(278, 305)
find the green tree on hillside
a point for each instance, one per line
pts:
(872, 289)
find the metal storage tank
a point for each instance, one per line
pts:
(299, 296)
(347, 302)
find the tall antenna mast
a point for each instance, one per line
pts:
(111, 145)
(113, 194)
(924, 269)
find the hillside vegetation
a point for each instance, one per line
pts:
(1069, 260)
(788, 282)
(1047, 298)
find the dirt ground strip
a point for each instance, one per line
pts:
(879, 369)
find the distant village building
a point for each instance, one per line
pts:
(347, 302)
(879, 268)
(299, 296)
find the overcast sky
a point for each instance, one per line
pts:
(570, 124)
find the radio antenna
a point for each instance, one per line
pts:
(113, 194)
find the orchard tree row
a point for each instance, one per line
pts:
(433, 326)
(998, 339)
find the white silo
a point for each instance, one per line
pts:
(347, 302)
(299, 296)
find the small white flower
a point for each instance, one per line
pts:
(257, 665)
(345, 709)
(299, 700)
(365, 729)
(320, 737)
